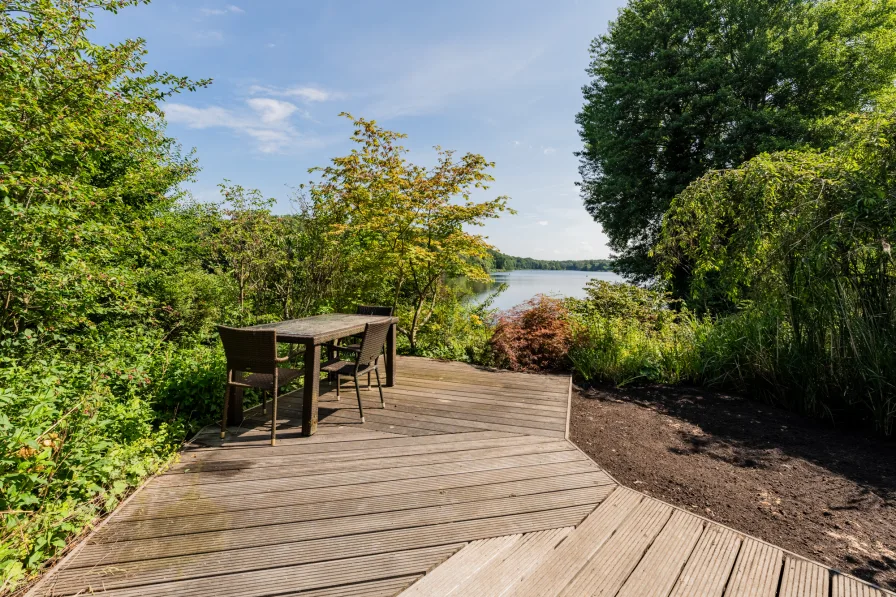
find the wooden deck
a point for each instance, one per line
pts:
(464, 485)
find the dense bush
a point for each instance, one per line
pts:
(459, 330)
(534, 336)
(624, 333)
(77, 434)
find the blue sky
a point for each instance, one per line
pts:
(497, 78)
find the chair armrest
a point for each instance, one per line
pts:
(281, 359)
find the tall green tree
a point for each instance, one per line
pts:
(85, 166)
(91, 275)
(682, 87)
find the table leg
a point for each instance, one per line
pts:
(331, 355)
(309, 392)
(390, 356)
(235, 407)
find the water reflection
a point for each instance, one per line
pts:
(522, 285)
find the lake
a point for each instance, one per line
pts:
(522, 285)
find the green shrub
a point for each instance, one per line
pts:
(625, 333)
(457, 331)
(79, 430)
(612, 300)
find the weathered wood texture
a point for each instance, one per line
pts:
(463, 485)
(321, 328)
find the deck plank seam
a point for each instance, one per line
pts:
(422, 524)
(157, 500)
(461, 545)
(364, 514)
(194, 482)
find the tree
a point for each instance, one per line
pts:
(83, 162)
(246, 238)
(682, 87)
(405, 226)
(88, 178)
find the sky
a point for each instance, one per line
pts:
(502, 79)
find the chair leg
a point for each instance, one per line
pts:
(274, 419)
(368, 380)
(379, 386)
(337, 386)
(227, 392)
(264, 408)
(358, 392)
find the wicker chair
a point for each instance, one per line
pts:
(367, 360)
(252, 363)
(375, 310)
(355, 346)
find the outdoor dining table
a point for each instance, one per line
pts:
(314, 332)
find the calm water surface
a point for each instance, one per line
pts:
(525, 284)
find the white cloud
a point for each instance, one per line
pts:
(549, 150)
(305, 93)
(543, 222)
(266, 121)
(228, 9)
(271, 111)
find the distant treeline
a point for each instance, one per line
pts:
(497, 261)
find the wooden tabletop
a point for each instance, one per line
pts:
(318, 329)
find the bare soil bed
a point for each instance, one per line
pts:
(821, 492)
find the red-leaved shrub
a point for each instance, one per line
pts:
(533, 336)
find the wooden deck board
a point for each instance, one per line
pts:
(462, 445)
(562, 565)
(607, 570)
(190, 478)
(154, 570)
(525, 555)
(658, 571)
(376, 588)
(322, 510)
(463, 485)
(151, 510)
(238, 452)
(845, 586)
(709, 566)
(445, 579)
(273, 581)
(125, 550)
(804, 579)
(757, 570)
(185, 492)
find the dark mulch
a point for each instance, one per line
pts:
(824, 493)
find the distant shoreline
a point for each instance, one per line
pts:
(499, 262)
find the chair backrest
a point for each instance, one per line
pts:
(249, 350)
(373, 342)
(374, 310)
